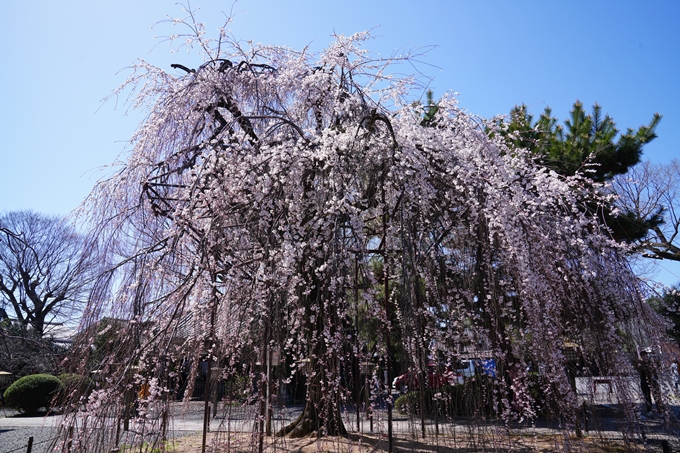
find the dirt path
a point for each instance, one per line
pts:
(244, 442)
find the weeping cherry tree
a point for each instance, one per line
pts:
(272, 196)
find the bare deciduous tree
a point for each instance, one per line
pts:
(46, 270)
(649, 194)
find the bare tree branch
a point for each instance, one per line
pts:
(649, 194)
(46, 269)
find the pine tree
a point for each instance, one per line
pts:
(589, 144)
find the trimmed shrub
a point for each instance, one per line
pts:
(474, 398)
(32, 392)
(407, 403)
(74, 387)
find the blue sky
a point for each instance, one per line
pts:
(61, 58)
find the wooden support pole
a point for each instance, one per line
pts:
(357, 360)
(388, 362)
(206, 405)
(70, 439)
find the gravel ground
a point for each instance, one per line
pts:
(16, 431)
(15, 439)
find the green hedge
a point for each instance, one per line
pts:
(32, 392)
(473, 398)
(75, 387)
